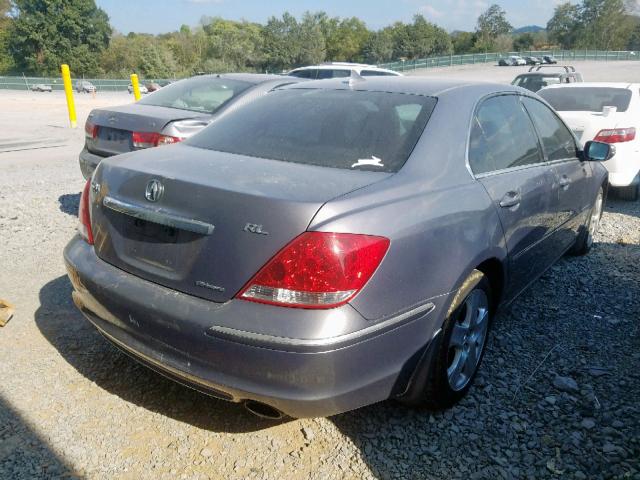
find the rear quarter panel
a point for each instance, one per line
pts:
(441, 222)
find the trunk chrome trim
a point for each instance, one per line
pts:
(261, 339)
(156, 215)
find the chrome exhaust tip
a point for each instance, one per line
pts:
(263, 410)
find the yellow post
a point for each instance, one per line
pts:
(66, 79)
(136, 86)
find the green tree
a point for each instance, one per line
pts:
(523, 42)
(564, 25)
(313, 48)
(47, 33)
(463, 42)
(6, 62)
(491, 24)
(346, 41)
(605, 25)
(379, 47)
(232, 46)
(280, 45)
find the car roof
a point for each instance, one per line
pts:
(626, 85)
(254, 78)
(546, 74)
(342, 66)
(430, 87)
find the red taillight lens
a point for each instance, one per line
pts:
(317, 270)
(144, 139)
(84, 227)
(167, 140)
(90, 130)
(616, 135)
(152, 139)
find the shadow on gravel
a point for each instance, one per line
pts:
(23, 454)
(69, 203)
(97, 360)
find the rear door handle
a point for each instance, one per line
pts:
(564, 182)
(510, 199)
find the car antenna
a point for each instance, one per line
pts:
(354, 77)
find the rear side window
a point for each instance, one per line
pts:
(200, 94)
(328, 73)
(502, 136)
(557, 140)
(306, 73)
(376, 73)
(360, 130)
(587, 99)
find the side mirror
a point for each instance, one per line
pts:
(598, 151)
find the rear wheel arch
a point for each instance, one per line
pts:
(495, 272)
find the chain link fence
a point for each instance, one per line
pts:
(101, 84)
(469, 59)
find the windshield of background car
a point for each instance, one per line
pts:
(360, 130)
(201, 94)
(587, 99)
(535, 82)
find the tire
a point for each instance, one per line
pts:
(435, 384)
(630, 193)
(584, 241)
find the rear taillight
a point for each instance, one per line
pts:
(317, 270)
(616, 135)
(90, 130)
(152, 139)
(167, 140)
(84, 226)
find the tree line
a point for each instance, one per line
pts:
(37, 36)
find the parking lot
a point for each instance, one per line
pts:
(72, 405)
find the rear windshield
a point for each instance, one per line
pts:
(358, 130)
(536, 82)
(587, 99)
(200, 94)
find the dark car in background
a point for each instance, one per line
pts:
(532, 60)
(539, 77)
(549, 59)
(335, 243)
(170, 114)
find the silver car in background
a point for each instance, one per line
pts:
(169, 115)
(334, 243)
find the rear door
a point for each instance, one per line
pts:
(505, 156)
(571, 177)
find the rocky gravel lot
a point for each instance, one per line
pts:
(557, 396)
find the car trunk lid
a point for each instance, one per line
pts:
(219, 219)
(117, 124)
(586, 125)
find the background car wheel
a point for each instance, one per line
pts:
(632, 192)
(584, 242)
(456, 356)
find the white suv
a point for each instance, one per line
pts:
(340, 69)
(606, 112)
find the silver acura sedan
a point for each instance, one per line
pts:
(335, 243)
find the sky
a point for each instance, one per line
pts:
(158, 16)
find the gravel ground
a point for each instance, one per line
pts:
(557, 395)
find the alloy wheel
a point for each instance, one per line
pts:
(468, 339)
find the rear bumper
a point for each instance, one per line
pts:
(313, 376)
(88, 162)
(624, 167)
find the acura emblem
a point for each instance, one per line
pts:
(154, 191)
